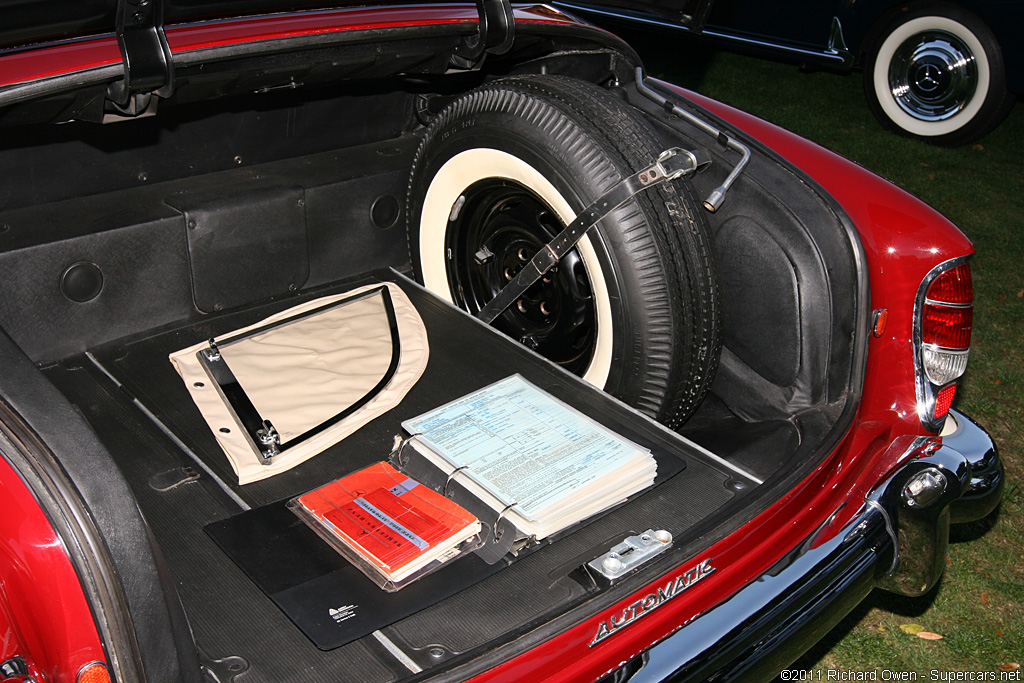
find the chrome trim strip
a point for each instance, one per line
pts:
(947, 304)
(651, 422)
(837, 42)
(836, 54)
(397, 652)
(721, 461)
(830, 55)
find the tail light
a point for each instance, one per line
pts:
(942, 337)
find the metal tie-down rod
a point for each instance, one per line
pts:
(673, 163)
(717, 196)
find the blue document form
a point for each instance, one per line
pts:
(523, 445)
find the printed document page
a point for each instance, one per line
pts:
(523, 445)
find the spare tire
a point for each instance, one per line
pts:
(634, 307)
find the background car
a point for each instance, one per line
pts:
(945, 72)
(755, 311)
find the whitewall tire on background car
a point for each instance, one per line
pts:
(633, 308)
(935, 71)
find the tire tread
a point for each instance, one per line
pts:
(659, 233)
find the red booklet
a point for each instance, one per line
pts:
(392, 527)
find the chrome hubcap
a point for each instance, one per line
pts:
(933, 75)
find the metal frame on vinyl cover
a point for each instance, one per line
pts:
(264, 437)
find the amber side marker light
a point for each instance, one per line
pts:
(880, 319)
(96, 672)
(947, 316)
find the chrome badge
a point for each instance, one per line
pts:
(652, 601)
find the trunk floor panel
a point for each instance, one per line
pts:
(231, 616)
(302, 574)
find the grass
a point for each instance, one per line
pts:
(978, 605)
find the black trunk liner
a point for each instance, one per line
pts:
(231, 616)
(302, 574)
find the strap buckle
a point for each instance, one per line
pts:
(676, 162)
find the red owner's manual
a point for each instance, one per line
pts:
(390, 526)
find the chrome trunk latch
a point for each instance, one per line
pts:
(631, 553)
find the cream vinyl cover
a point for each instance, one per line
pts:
(306, 366)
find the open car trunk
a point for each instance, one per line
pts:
(152, 235)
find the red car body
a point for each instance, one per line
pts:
(49, 626)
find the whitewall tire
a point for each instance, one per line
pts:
(935, 72)
(472, 166)
(633, 308)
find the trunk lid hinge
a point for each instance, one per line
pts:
(148, 71)
(495, 36)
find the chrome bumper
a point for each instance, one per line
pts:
(960, 481)
(984, 489)
(773, 620)
(897, 541)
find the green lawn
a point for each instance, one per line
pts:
(978, 608)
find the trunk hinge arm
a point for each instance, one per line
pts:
(148, 71)
(495, 36)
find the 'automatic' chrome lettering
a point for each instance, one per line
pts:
(652, 601)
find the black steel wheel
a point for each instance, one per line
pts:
(633, 308)
(935, 72)
(499, 229)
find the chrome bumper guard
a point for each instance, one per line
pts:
(985, 488)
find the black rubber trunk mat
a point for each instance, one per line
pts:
(231, 615)
(302, 574)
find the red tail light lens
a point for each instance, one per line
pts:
(944, 401)
(946, 321)
(947, 326)
(953, 287)
(946, 316)
(949, 310)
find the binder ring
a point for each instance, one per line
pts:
(444, 491)
(399, 447)
(495, 531)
